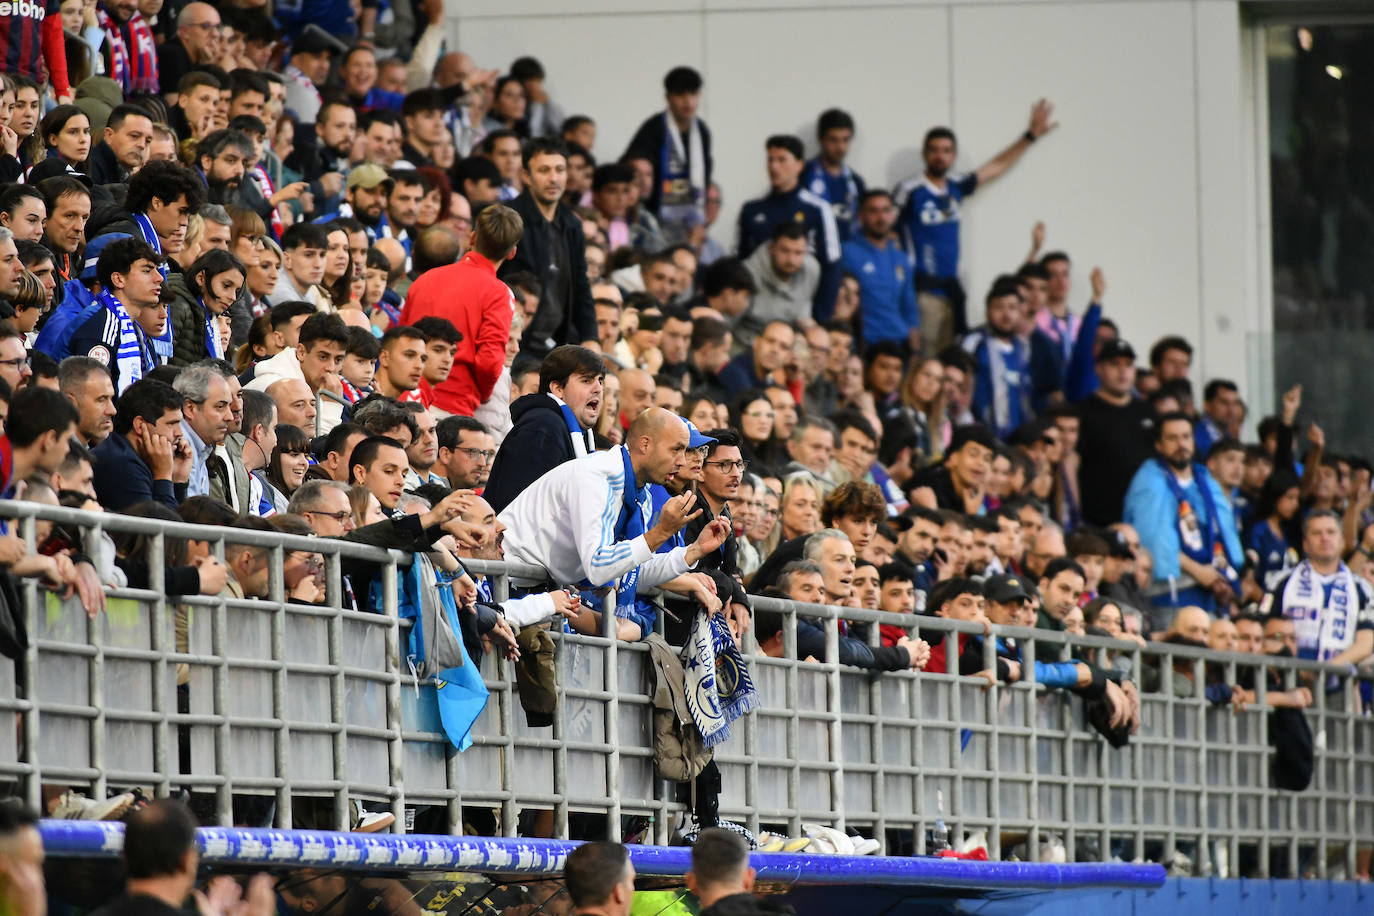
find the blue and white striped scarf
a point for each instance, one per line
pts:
(131, 361)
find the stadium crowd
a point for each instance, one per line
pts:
(258, 273)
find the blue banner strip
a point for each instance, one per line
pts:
(324, 849)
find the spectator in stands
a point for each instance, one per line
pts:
(959, 480)
(804, 581)
(23, 212)
(469, 295)
(295, 402)
(756, 366)
(21, 859)
(788, 201)
(1223, 412)
(677, 146)
(930, 206)
(315, 359)
(1331, 609)
(1171, 358)
(119, 334)
(196, 42)
(205, 423)
(205, 292)
(552, 237)
(550, 427)
(86, 383)
(379, 463)
(1002, 377)
(69, 207)
(1115, 435)
(582, 550)
(147, 457)
(303, 248)
(334, 451)
(877, 259)
(1061, 589)
(124, 148)
(832, 552)
(401, 365)
(786, 277)
(1185, 520)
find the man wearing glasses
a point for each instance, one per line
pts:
(466, 451)
(196, 42)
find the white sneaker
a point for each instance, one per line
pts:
(74, 806)
(374, 821)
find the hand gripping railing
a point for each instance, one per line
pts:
(314, 706)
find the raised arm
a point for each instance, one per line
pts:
(1041, 123)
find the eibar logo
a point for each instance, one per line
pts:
(29, 8)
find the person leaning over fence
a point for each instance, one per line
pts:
(600, 878)
(721, 878)
(604, 538)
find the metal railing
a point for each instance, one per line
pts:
(298, 701)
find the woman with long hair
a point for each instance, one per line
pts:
(365, 507)
(923, 403)
(263, 274)
(28, 111)
(199, 297)
(338, 267)
(1272, 541)
(434, 206)
(290, 459)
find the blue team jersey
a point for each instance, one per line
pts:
(930, 220)
(841, 191)
(759, 217)
(886, 292)
(1271, 555)
(334, 16)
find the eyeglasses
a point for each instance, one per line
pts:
(339, 517)
(204, 26)
(17, 362)
(479, 455)
(727, 466)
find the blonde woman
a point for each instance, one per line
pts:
(799, 511)
(923, 403)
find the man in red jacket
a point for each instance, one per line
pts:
(479, 305)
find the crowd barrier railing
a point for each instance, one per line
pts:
(314, 708)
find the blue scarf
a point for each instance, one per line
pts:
(582, 442)
(719, 688)
(1212, 548)
(132, 361)
(682, 175)
(162, 345)
(1002, 387)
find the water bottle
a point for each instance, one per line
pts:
(939, 837)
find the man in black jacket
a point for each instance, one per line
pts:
(554, 250)
(124, 147)
(552, 426)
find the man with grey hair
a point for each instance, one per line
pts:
(811, 447)
(831, 550)
(196, 42)
(804, 581)
(216, 231)
(206, 415)
(11, 268)
(231, 480)
(87, 384)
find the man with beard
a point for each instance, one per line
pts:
(1002, 380)
(365, 199)
(1185, 521)
(877, 259)
(221, 158)
(324, 161)
(550, 427)
(930, 215)
(554, 250)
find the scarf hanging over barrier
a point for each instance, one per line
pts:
(719, 688)
(1324, 624)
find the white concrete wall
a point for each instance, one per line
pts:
(1152, 174)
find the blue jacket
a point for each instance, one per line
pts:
(76, 306)
(1153, 511)
(738, 374)
(123, 479)
(886, 290)
(758, 218)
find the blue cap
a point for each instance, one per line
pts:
(694, 437)
(93, 251)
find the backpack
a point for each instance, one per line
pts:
(680, 752)
(435, 641)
